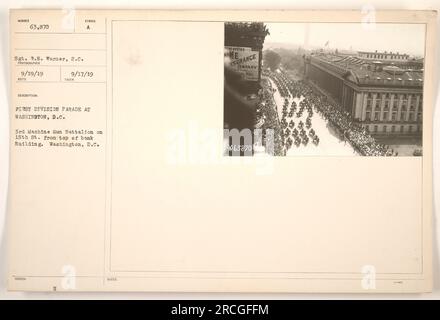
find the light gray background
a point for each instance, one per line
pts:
(5, 5)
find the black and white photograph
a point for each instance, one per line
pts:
(323, 89)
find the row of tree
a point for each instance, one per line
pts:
(289, 59)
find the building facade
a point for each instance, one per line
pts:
(247, 38)
(242, 74)
(386, 56)
(385, 99)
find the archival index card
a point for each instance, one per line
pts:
(245, 151)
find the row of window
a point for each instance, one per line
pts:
(385, 56)
(394, 128)
(395, 104)
(375, 116)
(388, 95)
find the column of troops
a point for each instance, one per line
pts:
(313, 101)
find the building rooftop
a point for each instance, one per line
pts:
(385, 52)
(364, 72)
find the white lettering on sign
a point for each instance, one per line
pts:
(244, 60)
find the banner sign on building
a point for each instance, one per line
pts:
(244, 60)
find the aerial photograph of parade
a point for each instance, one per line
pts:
(323, 89)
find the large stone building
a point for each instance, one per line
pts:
(385, 98)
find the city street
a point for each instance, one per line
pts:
(329, 143)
